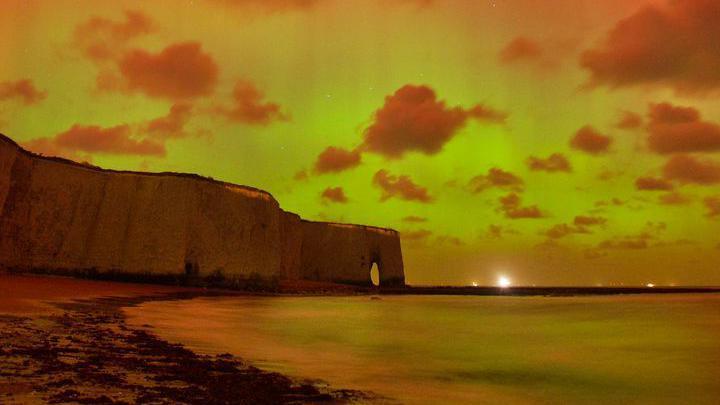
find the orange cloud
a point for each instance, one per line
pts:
(588, 140)
(653, 184)
(413, 119)
(713, 206)
(510, 204)
(556, 162)
(582, 220)
(495, 178)
(334, 159)
(629, 120)
(301, 175)
(675, 129)
(270, 6)
(498, 231)
(180, 71)
(334, 194)
(401, 187)
(249, 107)
(520, 49)
(102, 39)
(173, 124)
(688, 169)
(23, 89)
(673, 198)
(673, 45)
(115, 140)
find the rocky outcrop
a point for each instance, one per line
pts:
(60, 216)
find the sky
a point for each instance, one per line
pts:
(563, 142)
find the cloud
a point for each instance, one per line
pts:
(249, 107)
(653, 184)
(401, 187)
(520, 49)
(671, 45)
(675, 129)
(413, 119)
(301, 175)
(495, 178)
(101, 39)
(334, 194)
(688, 169)
(713, 206)
(510, 204)
(333, 160)
(498, 231)
(117, 140)
(629, 120)
(414, 219)
(556, 162)
(173, 124)
(417, 235)
(560, 231)
(24, 90)
(269, 6)
(673, 198)
(180, 71)
(588, 140)
(582, 220)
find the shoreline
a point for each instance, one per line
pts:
(83, 351)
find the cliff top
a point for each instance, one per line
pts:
(88, 166)
(252, 191)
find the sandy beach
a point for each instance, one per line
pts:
(64, 340)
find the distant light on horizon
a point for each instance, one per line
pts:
(649, 285)
(504, 282)
(474, 284)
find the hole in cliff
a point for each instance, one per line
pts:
(375, 274)
(191, 269)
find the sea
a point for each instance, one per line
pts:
(630, 349)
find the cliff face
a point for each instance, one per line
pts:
(60, 216)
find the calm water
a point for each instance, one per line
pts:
(442, 349)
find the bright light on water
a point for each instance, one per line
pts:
(504, 282)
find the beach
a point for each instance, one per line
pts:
(65, 340)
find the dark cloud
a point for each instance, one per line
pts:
(495, 178)
(499, 231)
(675, 129)
(180, 71)
(673, 45)
(510, 204)
(520, 49)
(653, 184)
(401, 187)
(688, 169)
(249, 107)
(269, 6)
(334, 159)
(556, 162)
(101, 39)
(588, 140)
(413, 119)
(334, 194)
(23, 90)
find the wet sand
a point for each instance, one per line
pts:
(66, 341)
